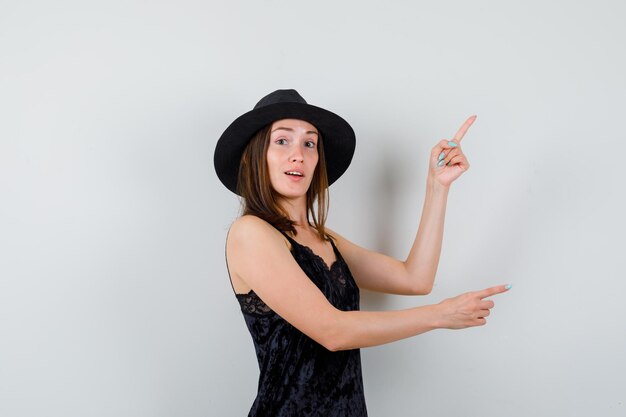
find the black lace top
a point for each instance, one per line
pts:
(298, 376)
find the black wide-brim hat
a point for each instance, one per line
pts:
(338, 136)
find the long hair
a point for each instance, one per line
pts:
(259, 197)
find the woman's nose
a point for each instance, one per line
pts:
(296, 156)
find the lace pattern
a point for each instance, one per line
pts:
(252, 304)
(335, 271)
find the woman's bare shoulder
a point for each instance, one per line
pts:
(349, 250)
(249, 223)
(250, 230)
(244, 237)
(337, 238)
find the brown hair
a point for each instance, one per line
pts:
(259, 197)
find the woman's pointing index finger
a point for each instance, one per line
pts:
(459, 135)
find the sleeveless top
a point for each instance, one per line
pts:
(298, 376)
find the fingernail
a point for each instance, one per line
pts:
(508, 286)
(453, 144)
(440, 163)
(442, 155)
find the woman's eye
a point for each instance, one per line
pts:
(281, 141)
(310, 144)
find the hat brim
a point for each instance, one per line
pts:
(338, 137)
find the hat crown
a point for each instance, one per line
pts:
(280, 96)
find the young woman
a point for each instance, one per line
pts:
(298, 282)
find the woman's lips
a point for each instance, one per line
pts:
(295, 178)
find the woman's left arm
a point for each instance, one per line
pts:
(415, 276)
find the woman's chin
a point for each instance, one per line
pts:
(292, 192)
(292, 196)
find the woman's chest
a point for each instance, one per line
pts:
(334, 280)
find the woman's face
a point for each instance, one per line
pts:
(292, 156)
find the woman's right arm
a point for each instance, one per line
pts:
(258, 254)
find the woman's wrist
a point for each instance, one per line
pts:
(433, 185)
(431, 316)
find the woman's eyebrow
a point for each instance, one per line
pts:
(291, 130)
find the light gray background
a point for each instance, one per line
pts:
(114, 297)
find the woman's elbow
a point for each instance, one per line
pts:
(331, 346)
(422, 289)
(418, 282)
(333, 338)
(337, 344)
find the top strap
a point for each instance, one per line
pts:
(291, 240)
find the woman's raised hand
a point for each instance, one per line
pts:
(469, 309)
(447, 161)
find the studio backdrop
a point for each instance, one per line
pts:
(114, 294)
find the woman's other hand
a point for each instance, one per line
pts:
(469, 309)
(447, 161)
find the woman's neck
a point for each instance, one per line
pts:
(297, 211)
